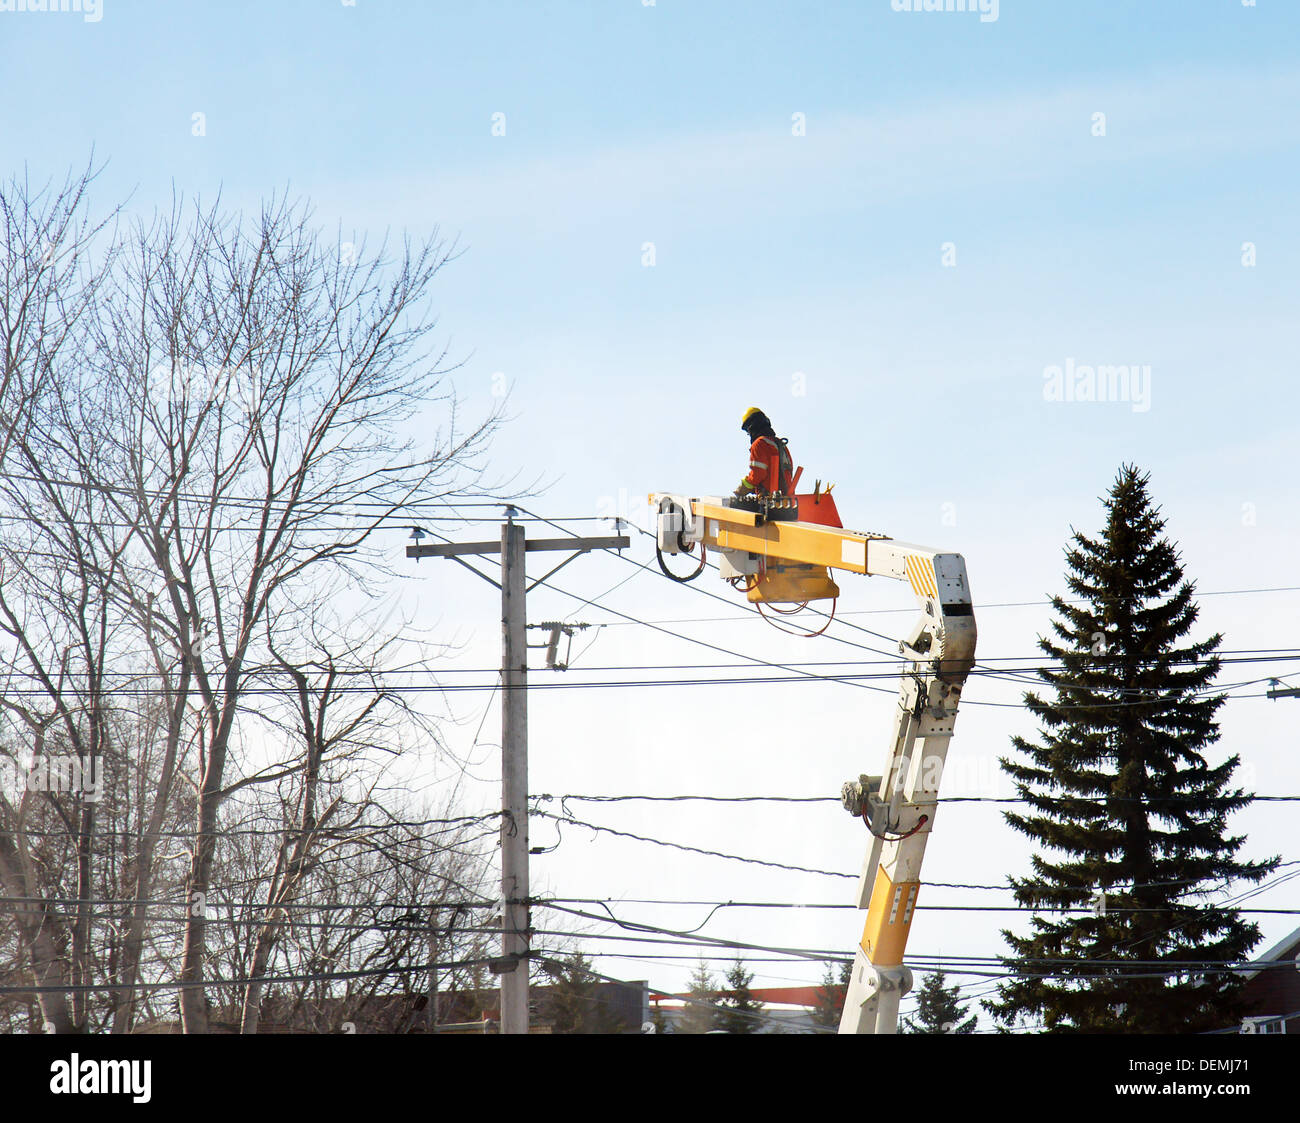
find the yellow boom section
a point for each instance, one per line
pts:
(801, 543)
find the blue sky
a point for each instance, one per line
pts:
(804, 273)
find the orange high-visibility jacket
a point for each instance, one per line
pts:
(765, 473)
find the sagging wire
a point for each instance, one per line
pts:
(559, 838)
(659, 556)
(667, 507)
(752, 581)
(895, 837)
(572, 821)
(684, 931)
(791, 612)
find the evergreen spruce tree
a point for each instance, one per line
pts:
(830, 996)
(659, 1021)
(740, 1009)
(700, 1014)
(1130, 820)
(940, 1011)
(572, 999)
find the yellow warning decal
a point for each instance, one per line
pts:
(920, 575)
(889, 920)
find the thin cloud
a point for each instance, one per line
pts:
(845, 162)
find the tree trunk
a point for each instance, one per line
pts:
(38, 935)
(194, 1006)
(142, 883)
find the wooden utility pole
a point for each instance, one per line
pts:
(514, 782)
(514, 586)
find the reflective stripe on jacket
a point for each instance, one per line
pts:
(765, 467)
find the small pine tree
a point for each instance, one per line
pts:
(830, 996)
(700, 1014)
(940, 1009)
(659, 1021)
(740, 1009)
(572, 997)
(1119, 788)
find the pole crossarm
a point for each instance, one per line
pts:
(460, 549)
(452, 549)
(582, 545)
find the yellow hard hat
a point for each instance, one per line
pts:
(749, 413)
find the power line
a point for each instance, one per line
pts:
(436, 905)
(834, 799)
(754, 612)
(747, 618)
(573, 821)
(979, 966)
(855, 680)
(992, 672)
(692, 849)
(1110, 959)
(718, 906)
(215, 902)
(324, 834)
(305, 977)
(863, 681)
(713, 647)
(959, 964)
(696, 798)
(273, 672)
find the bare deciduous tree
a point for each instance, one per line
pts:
(203, 423)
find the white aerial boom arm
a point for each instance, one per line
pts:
(898, 806)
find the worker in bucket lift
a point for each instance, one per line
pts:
(770, 465)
